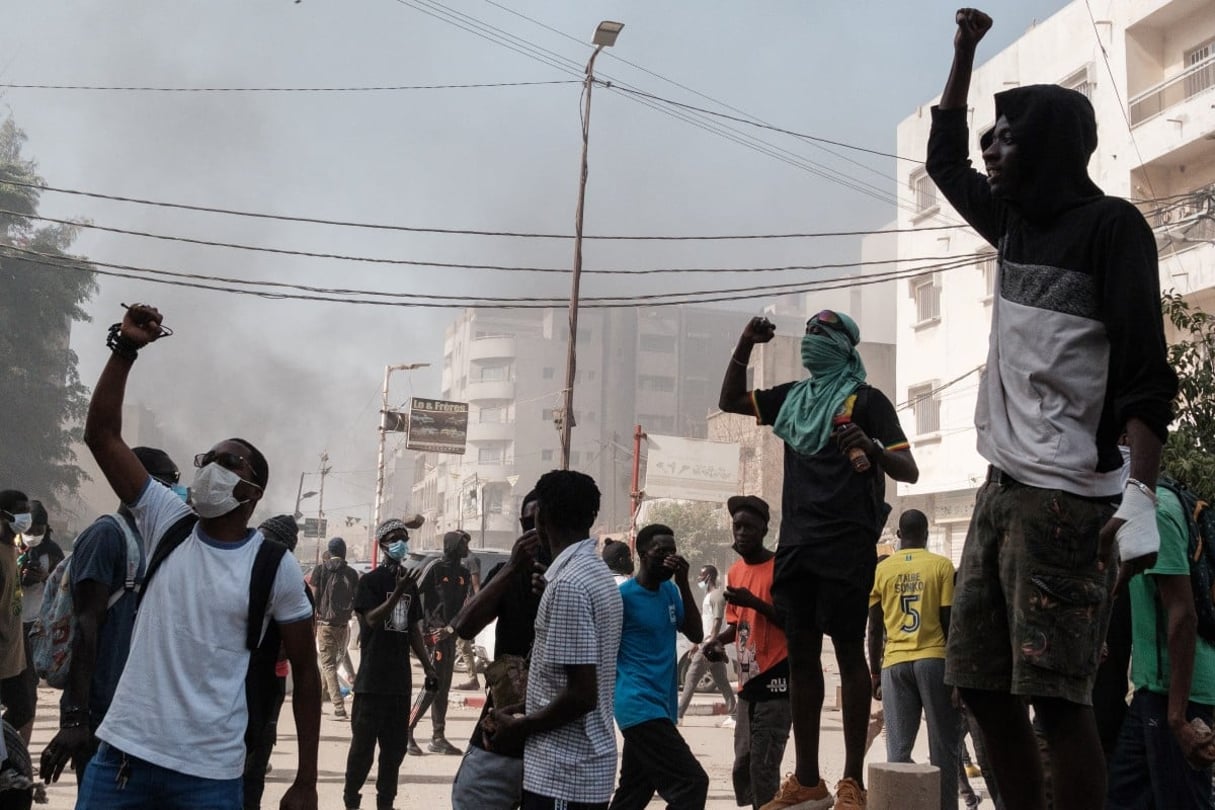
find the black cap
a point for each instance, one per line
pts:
(157, 463)
(751, 503)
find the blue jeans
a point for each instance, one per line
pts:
(1148, 771)
(907, 689)
(150, 787)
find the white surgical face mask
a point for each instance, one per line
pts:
(21, 522)
(702, 585)
(32, 540)
(212, 494)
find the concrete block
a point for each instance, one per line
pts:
(904, 786)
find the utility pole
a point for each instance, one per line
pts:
(379, 467)
(635, 492)
(320, 506)
(605, 37)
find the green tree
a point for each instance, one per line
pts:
(44, 401)
(701, 531)
(1189, 454)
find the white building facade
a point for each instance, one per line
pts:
(1149, 68)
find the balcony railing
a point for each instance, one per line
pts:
(1193, 80)
(1185, 222)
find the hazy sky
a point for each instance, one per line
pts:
(298, 378)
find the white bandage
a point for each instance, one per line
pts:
(1139, 535)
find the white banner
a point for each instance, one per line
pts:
(691, 469)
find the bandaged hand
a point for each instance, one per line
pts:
(1138, 536)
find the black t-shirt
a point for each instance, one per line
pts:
(825, 504)
(447, 587)
(384, 660)
(513, 635)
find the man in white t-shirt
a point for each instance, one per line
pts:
(174, 733)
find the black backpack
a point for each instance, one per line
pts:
(1201, 523)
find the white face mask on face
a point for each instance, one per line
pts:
(21, 522)
(32, 540)
(212, 493)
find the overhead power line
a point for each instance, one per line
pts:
(752, 122)
(349, 89)
(288, 291)
(459, 231)
(464, 266)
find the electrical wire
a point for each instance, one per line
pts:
(232, 286)
(460, 231)
(368, 89)
(547, 302)
(455, 265)
(520, 45)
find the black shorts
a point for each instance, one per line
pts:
(808, 596)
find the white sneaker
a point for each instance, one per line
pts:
(728, 723)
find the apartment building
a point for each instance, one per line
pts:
(658, 367)
(1149, 68)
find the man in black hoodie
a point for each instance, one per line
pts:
(1077, 356)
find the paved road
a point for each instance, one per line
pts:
(426, 781)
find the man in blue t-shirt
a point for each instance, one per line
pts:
(655, 757)
(104, 617)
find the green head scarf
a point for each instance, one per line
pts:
(836, 370)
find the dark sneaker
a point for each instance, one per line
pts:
(440, 745)
(413, 748)
(471, 685)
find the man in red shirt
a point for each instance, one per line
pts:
(764, 714)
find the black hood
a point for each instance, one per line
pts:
(1056, 134)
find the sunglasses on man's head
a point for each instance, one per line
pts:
(230, 461)
(828, 319)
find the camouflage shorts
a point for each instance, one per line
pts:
(1030, 607)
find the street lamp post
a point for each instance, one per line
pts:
(605, 37)
(379, 475)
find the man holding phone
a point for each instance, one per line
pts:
(833, 511)
(390, 623)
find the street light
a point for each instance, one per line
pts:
(605, 37)
(379, 477)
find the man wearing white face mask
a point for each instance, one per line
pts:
(390, 623)
(15, 519)
(174, 733)
(39, 556)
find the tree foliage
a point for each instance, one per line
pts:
(1189, 454)
(702, 533)
(44, 401)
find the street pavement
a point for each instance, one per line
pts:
(426, 781)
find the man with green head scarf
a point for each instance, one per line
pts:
(842, 437)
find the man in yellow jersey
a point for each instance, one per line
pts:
(909, 618)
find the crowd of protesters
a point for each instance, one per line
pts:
(181, 618)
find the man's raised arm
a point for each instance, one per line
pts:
(103, 427)
(734, 397)
(972, 25)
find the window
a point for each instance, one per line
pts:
(987, 266)
(1202, 77)
(1079, 81)
(926, 407)
(547, 415)
(494, 373)
(492, 415)
(923, 191)
(658, 343)
(575, 457)
(546, 455)
(927, 297)
(489, 455)
(548, 372)
(652, 382)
